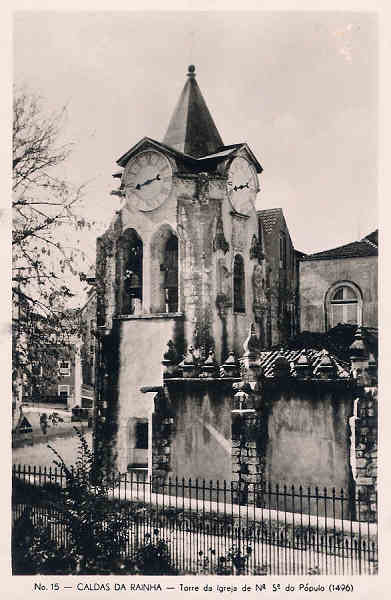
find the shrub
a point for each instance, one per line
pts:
(97, 527)
(153, 557)
(33, 550)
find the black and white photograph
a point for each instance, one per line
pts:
(194, 299)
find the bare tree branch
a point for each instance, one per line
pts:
(43, 205)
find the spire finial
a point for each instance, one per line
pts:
(191, 71)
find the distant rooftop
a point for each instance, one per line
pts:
(367, 246)
(270, 217)
(314, 357)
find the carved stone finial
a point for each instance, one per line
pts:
(251, 369)
(171, 355)
(210, 366)
(325, 361)
(211, 358)
(231, 360)
(251, 344)
(219, 241)
(170, 360)
(230, 367)
(188, 365)
(240, 400)
(372, 368)
(189, 358)
(358, 348)
(326, 368)
(256, 249)
(303, 366)
(191, 71)
(281, 367)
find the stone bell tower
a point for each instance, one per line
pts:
(183, 260)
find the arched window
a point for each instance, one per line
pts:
(343, 305)
(239, 285)
(164, 271)
(132, 272)
(170, 267)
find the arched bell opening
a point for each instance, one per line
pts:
(132, 272)
(170, 269)
(164, 271)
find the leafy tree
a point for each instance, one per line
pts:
(45, 258)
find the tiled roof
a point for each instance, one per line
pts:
(336, 340)
(373, 237)
(269, 358)
(364, 247)
(220, 154)
(147, 141)
(269, 217)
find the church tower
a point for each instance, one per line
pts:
(183, 261)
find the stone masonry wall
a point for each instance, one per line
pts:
(366, 455)
(247, 466)
(162, 431)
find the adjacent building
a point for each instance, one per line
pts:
(340, 285)
(282, 278)
(64, 374)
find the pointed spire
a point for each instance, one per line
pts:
(192, 129)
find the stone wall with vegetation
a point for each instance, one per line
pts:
(366, 454)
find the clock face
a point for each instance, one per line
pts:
(147, 180)
(242, 185)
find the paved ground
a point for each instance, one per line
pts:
(48, 408)
(64, 440)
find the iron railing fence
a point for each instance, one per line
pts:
(214, 528)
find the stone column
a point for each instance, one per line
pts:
(366, 429)
(246, 469)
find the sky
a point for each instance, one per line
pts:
(299, 87)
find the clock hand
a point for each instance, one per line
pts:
(147, 182)
(240, 187)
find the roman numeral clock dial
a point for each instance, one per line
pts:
(242, 185)
(147, 180)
